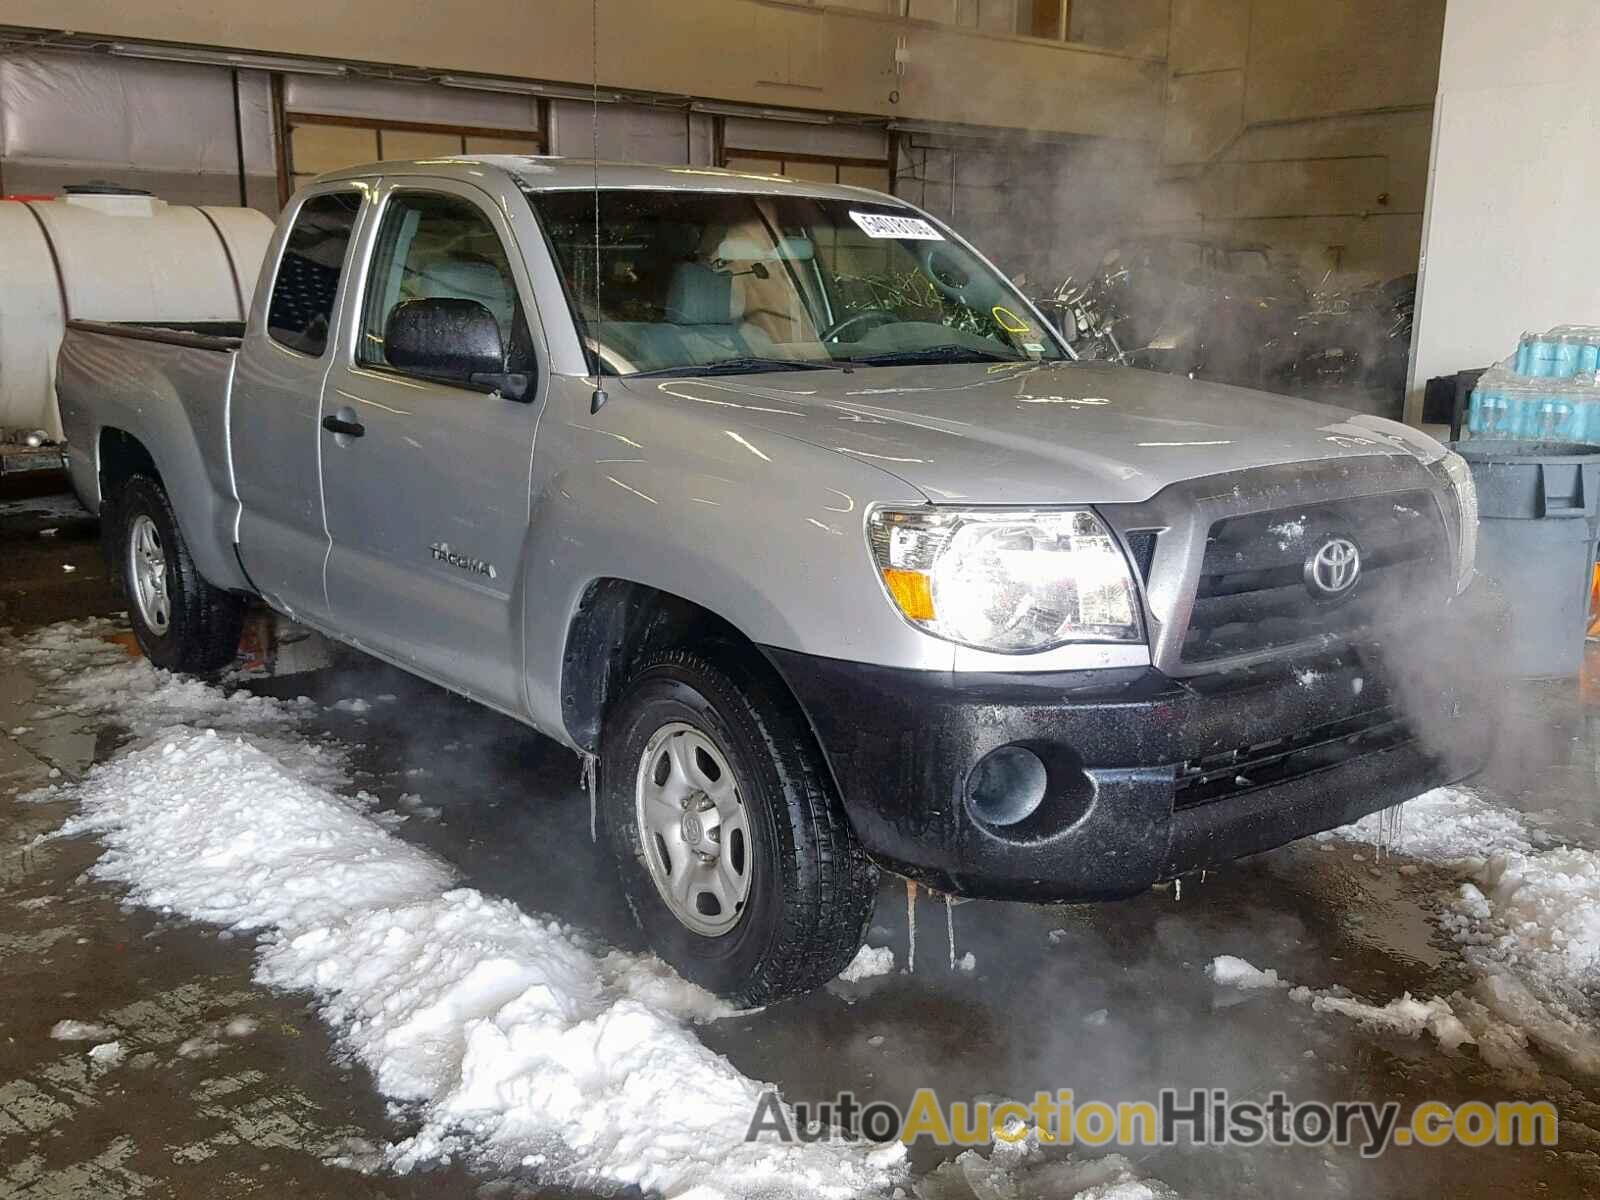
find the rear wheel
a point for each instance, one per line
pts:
(735, 854)
(181, 622)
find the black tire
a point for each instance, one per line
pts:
(811, 886)
(202, 633)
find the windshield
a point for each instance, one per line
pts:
(739, 282)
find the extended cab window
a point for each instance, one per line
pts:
(301, 312)
(439, 247)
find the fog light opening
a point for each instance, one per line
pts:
(1007, 786)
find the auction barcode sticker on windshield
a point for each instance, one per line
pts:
(884, 225)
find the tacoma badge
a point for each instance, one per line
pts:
(442, 553)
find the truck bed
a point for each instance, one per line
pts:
(166, 388)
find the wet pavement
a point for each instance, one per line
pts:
(51, 567)
(1110, 1000)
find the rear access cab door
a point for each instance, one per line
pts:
(277, 398)
(425, 478)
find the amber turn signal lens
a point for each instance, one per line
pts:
(911, 591)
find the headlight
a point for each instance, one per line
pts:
(1457, 476)
(1005, 580)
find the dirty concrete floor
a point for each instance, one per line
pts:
(1110, 1000)
(51, 567)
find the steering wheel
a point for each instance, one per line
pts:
(949, 277)
(877, 316)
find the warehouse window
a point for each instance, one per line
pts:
(303, 295)
(817, 168)
(857, 155)
(1042, 18)
(1030, 18)
(318, 143)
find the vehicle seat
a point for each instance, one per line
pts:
(470, 277)
(701, 303)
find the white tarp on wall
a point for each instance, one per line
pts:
(397, 100)
(100, 111)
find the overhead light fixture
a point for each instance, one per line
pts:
(763, 114)
(224, 58)
(515, 87)
(525, 87)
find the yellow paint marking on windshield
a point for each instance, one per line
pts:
(1008, 320)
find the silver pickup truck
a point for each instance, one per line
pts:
(779, 502)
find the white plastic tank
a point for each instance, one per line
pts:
(111, 257)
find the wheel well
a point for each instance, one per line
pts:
(617, 622)
(122, 456)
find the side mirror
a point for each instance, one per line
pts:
(454, 341)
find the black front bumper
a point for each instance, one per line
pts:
(1149, 777)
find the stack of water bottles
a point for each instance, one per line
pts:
(1548, 391)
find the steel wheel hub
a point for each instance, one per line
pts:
(147, 574)
(693, 826)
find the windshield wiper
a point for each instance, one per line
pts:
(748, 365)
(932, 354)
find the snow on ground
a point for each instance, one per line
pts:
(94, 677)
(869, 961)
(507, 1035)
(1527, 917)
(108, 1054)
(1406, 1016)
(1538, 914)
(1500, 1017)
(79, 1031)
(1450, 827)
(1226, 970)
(1023, 1170)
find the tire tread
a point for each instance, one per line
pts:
(203, 636)
(830, 885)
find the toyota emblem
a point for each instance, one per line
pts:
(1333, 568)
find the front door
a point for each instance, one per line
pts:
(425, 482)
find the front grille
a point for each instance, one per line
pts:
(1253, 594)
(1264, 764)
(1142, 545)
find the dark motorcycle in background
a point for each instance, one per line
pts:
(1222, 311)
(1353, 340)
(1080, 312)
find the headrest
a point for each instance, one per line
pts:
(470, 279)
(697, 295)
(747, 249)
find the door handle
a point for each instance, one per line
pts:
(339, 425)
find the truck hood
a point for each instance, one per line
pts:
(1038, 433)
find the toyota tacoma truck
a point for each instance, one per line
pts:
(783, 507)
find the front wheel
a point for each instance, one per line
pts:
(181, 622)
(735, 854)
